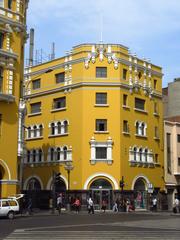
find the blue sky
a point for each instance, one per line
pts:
(150, 28)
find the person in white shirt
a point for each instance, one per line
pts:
(176, 205)
(90, 205)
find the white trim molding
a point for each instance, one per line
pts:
(101, 174)
(49, 184)
(140, 176)
(4, 164)
(33, 176)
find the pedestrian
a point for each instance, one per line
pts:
(176, 205)
(154, 202)
(59, 203)
(115, 207)
(77, 204)
(127, 205)
(51, 205)
(90, 206)
(103, 208)
(29, 206)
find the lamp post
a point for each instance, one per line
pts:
(68, 167)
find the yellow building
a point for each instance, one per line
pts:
(98, 112)
(12, 38)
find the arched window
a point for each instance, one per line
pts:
(137, 127)
(52, 128)
(29, 132)
(65, 153)
(58, 154)
(40, 155)
(143, 129)
(135, 154)
(59, 127)
(35, 131)
(65, 127)
(140, 154)
(52, 154)
(146, 155)
(34, 155)
(28, 156)
(40, 130)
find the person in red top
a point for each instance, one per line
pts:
(77, 205)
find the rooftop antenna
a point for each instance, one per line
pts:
(53, 51)
(101, 35)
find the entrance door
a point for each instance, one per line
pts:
(99, 195)
(141, 193)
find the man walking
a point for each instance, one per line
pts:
(90, 206)
(59, 203)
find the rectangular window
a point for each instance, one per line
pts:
(178, 161)
(1, 40)
(101, 72)
(10, 4)
(101, 98)
(156, 132)
(101, 125)
(168, 152)
(139, 104)
(156, 158)
(101, 153)
(60, 77)
(125, 98)
(125, 126)
(59, 103)
(178, 138)
(156, 108)
(124, 73)
(1, 80)
(155, 84)
(36, 107)
(36, 84)
(0, 124)
(1, 3)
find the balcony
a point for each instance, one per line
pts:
(6, 98)
(8, 54)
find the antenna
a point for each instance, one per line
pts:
(101, 25)
(31, 48)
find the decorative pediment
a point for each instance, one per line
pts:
(101, 51)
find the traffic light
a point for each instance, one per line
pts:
(57, 177)
(122, 183)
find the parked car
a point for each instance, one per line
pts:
(9, 207)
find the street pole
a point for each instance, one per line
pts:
(68, 167)
(53, 192)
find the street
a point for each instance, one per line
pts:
(98, 226)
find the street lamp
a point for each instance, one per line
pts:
(68, 167)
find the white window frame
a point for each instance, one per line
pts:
(94, 144)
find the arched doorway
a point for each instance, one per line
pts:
(33, 184)
(140, 193)
(60, 186)
(101, 189)
(1, 177)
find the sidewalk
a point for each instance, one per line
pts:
(38, 212)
